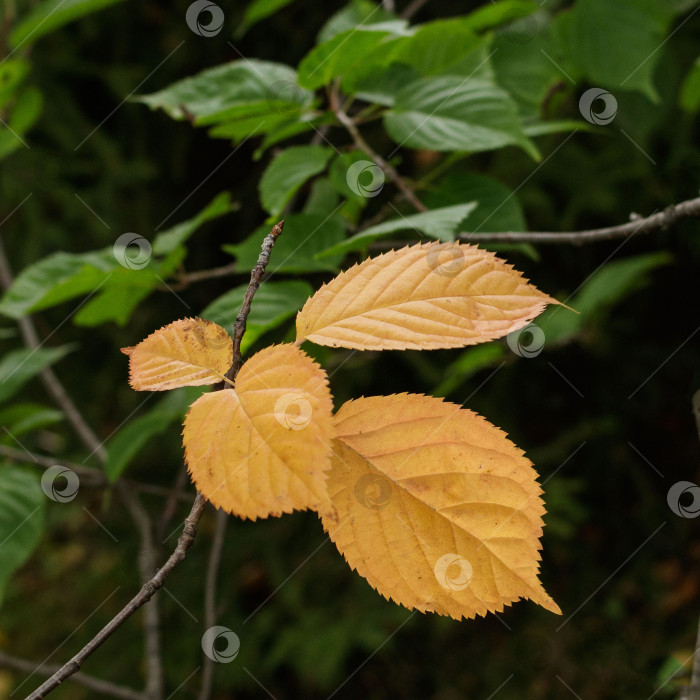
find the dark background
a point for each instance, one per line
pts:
(629, 591)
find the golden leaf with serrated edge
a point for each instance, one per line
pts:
(188, 352)
(427, 296)
(263, 448)
(434, 506)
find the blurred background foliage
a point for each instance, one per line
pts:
(604, 410)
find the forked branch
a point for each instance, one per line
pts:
(189, 532)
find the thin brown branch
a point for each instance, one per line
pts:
(143, 596)
(389, 170)
(255, 276)
(53, 385)
(89, 477)
(147, 567)
(189, 532)
(175, 493)
(210, 596)
(413, 8)
(97, 684)
(184, 280)
(659, 220)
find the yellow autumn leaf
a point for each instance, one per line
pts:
(188, 352)
(426, 296)
(434, 506)
(263, 448)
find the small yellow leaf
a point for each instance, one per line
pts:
(434, 506)
(427, 296)
(188, 352)
(263, 448)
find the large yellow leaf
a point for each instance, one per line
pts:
(434, 506)
(263, 448)
(188, 352)
(437, 295)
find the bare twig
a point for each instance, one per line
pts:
(414, 7)
(255, 276)
(53, 385)
(96, 684)
(389, 170)
(188, 278)
(189, 532)
(210, 613)
(89, 477)
(660, 220)
(174, 494)
(147, 566)
(143, 596)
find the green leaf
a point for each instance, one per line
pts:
(616, 43)
(54, 279)
(232, 90)
(49, 15)
(257, 11)
(21, 418)
(22, 505)
(525, 70)
(25, 112)
(498, 209)
(166, 241)
(344, 55)
(12, 73)
(357, 13)
(298, 249)
(19, 366)
(287, 172)
(451, 113)
(439, 223)
(498, 13)
(689, 97)
(130, 440)
(275, 302)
